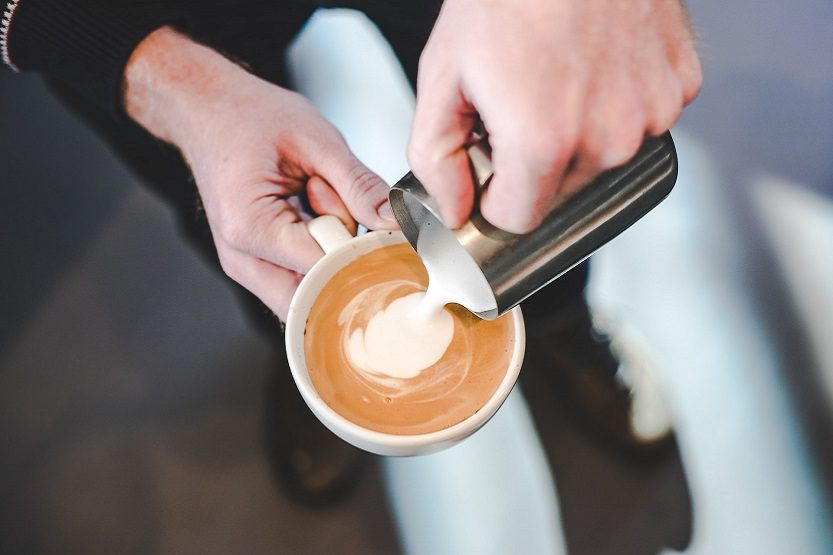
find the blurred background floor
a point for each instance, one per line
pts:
(132, 390)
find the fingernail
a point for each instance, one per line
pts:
(384, 211)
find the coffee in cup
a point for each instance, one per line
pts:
(412, 396)
(376, 358)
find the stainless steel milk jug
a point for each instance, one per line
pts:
(490, 270)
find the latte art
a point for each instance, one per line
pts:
(380, 362)
(385, 336)
(399, 353)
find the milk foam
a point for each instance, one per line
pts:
(402, 339)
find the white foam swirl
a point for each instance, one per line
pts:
(397, 343)
(395, 347)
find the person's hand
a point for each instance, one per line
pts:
(565, 89)
(253, 149)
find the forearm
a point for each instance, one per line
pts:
(171, 82)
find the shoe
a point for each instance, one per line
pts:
(314, 466)
(604, 379)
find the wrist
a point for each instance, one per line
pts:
(173, 86)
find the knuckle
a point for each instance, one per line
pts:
(692, 78)
(234, 234)
(414, 153)
(692, 85)
(426, 164)
(363, 182)
(229, 268)
(225, 222)
(419, 157)
(666, 105)
(432, 62)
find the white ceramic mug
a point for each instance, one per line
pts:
(340, 249)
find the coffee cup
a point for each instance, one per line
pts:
(341, 248)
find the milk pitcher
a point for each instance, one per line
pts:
(490, 271)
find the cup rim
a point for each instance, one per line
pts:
(296, 324)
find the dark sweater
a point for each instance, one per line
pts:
(86, 43)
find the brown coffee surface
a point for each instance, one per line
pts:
(442, 395)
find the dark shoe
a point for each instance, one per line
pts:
(314, 466)
(605, 381)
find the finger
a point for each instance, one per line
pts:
(442, 126)
(526, 178)
(578, 174)
(363, 192)
(271, 230)
(324, 200)
(690, 73)
(273, 285)
(519, 195)
(662, 99)
(686, 62)
(614, 128)
(663, 115)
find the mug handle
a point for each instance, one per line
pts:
(329, 232)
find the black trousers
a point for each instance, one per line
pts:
(259, 40)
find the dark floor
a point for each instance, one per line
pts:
(132, 390)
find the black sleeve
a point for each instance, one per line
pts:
(84, 43)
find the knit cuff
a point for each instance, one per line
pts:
(84, 43)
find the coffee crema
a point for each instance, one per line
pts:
(404, 399)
